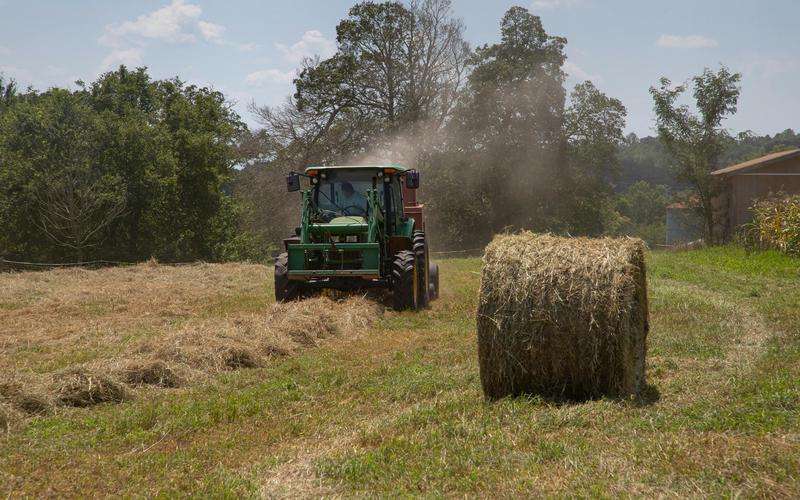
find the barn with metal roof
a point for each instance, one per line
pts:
(755, 179)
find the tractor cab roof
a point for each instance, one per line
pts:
(321, 168)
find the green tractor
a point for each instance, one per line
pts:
(361, 226)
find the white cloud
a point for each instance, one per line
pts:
(312, 43)
(178, 22)
(267, 76)
(555, 4)
(686, 42)
(210, 31)
(172, 23)
(578, 73)
(129, 57)
(5, 51)
(769, 67)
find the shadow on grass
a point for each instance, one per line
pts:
(648, 395)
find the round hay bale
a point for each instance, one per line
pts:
(156, 373)
(80, 387)
(564, 318)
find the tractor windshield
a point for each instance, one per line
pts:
(344, 192)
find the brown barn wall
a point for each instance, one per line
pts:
(747, 187)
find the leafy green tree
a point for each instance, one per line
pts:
(59, 194)
(593, 124)
(395, 67)
(125, 168)
(509, 127)
(697, 141)
(646, 159)
(8, 91)
(638, 211)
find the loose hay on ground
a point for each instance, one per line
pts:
(216, 344)
(8, 417)
(80, 387)
(24, 395)
(151, 325)
(148, 372)
(562, 317)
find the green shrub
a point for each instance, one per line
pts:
(775, 224)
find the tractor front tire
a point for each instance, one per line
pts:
(433, 278)
(404, 281)
(420, 248)
(285, 289)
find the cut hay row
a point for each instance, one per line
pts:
(562, 317)
(200, 348)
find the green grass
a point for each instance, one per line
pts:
(399, 411)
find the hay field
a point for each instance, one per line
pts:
(76, 337)
(391, 404)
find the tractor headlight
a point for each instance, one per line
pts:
(353, 238)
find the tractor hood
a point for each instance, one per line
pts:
(349, 224)
(347, 220)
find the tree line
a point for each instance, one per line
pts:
(500, 143)
(127, 167)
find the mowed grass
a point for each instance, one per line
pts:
(399, 410)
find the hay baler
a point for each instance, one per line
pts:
(360, 227)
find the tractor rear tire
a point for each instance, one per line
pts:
(420, 248)
(285, 289)
(404, 281)
(433, 278)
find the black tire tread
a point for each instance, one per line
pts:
(285, 289)
(419, 247)
(403, 268)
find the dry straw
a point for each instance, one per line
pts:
(147, 372)
(149, 327)
(24, 395)
(80, 387)
(562, 317)
(8, 417)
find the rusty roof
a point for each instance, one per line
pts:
(758, 162)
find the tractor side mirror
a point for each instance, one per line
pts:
(412, 179)
(293, 182)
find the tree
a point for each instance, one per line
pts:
(8, 91)
(395, 67)
(74, 210)
(697, 141)
(593, 124)
(638, 211)
(508, 127)
(123, 169)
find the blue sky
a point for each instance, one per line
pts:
(249, 49)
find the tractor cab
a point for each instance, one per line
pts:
(358, 224)
(343, 193)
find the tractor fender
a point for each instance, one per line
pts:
(399, 243)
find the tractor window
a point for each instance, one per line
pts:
(344, 192)
(397, 199)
